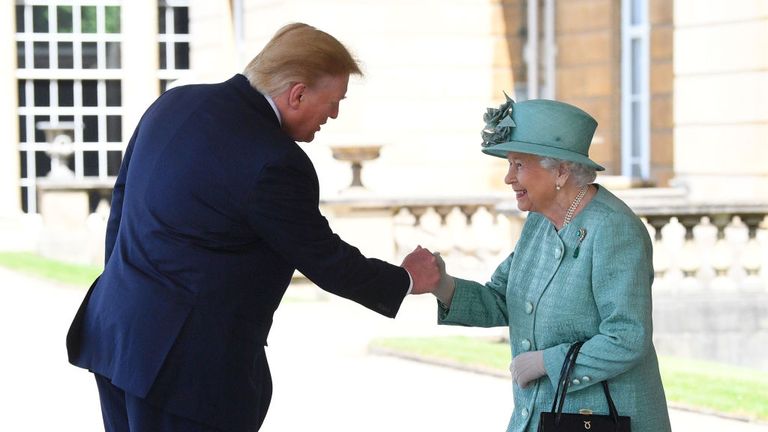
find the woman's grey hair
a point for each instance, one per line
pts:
(581, 174)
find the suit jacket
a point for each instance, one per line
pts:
(212, 211)
(550, 296)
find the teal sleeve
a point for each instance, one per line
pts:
(478, 305)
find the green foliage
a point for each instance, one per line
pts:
(64, 19)
(112, 19)
(35, 265)
(707, 386)
(88, 19)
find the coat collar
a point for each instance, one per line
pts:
(255, 98)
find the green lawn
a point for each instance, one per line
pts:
(35, 265)
(706, 386)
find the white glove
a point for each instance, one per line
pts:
(446, 286)
(527, 367)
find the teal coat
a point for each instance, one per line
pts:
(551, 296)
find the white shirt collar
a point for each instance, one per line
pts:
(274, 108)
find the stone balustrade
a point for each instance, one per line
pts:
(696, 245)
(710, 290)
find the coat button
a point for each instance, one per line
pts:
(524, 412)
(526, 344)
(586, 379)
(576, 381)
(528, 307)
(558, 252)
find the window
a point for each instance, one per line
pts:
(69, 66)
(173, 40)
(635, 91)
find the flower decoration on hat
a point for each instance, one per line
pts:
(498, 124)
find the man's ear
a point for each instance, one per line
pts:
(296, 94)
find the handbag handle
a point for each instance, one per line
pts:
(562, 386)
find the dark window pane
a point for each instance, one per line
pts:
(64, 19)
(22, 92)
(22, 128)
(163, 61)
(66, 93)
(40, 135)
(90, 59)
(636, 11)
(41, 55)
(90, 94)
(70, 163)
(66, 56)
(42, 164)
(90, 128)
(114, 159)
(88, 17)
(23, 164)
(161, 20)
(164, 85)
(67, 118)
(24, 199)
(19, 19)
(113, 55)
(114, 128)
(637, 127)
(21, 55)
(114, 93)
(94, 197)
(42, 91)
(181, 20)
(182, 55)
(91, 163)
(636, 56)
(40, 19)
(112, 19)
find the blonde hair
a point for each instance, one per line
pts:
(298, 53)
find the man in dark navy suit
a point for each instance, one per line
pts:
(214, 208)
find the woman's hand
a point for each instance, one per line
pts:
(446, 286)
(527, 367)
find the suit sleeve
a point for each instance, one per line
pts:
(116, 206)
(621, 285)
(478, 305)
(284, 212)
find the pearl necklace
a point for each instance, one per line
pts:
(574, 205)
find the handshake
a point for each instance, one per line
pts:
(427, 271)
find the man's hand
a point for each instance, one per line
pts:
(528, 367)
(422, 266)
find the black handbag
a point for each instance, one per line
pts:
(556, 420)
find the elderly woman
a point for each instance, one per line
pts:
(581, 271)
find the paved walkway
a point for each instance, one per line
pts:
(325, 380)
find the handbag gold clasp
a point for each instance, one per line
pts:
(585, 411)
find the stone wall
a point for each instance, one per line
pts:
(718, 326)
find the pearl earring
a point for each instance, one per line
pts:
(557, 187)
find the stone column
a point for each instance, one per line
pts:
(213, 55)
(720, 89)
(64, 212)
(10, 197)
(141, 85)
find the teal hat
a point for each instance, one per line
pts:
(541, 127)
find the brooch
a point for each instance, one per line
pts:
(582, 236)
